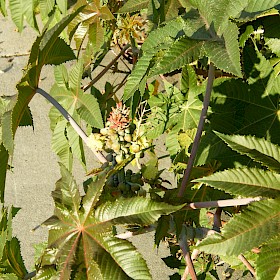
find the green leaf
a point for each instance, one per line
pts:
(268, 262)
(133, 6)
(21, 8)
(73, 98)
(62, 5)
(96, 36)
(256, 224)
(93, 193)
(158, 37)
(125, 254)
(60, 144)
(246, 182)
(182, 52)
(58, 53)
(4, 156)
(76, 144)
(46, 7)
(27, 118)
(137, 75)
(133, 210)
(76, 233)
(258, 149)
(190, 113)
(3, 9)
(12, 259)
(256, 7)
(90, 111)
(66, 191)
(225, 55)
(7, 132)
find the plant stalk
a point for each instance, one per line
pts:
(221, 203)
(183, 242)
(203, 115)
(247, 264)
(104, 71)
(72, 122)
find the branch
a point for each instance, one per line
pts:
(211, 76)
(221, 203)
(185, 248)
(247, 264)
(217, 224)
(103, 72)
(72, 122)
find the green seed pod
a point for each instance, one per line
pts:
(110, 182)
(104, 165)
(142, 192)
(110, 157)
(135, 178)
(135, 187)
(122, 186)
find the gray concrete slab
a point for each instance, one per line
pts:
(35, 170)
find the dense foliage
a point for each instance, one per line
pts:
(203, 73)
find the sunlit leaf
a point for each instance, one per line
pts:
(80, 228)
(256, 224)
(246, 182)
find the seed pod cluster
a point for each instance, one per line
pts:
(120, 135)
(126, 184)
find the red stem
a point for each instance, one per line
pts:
(203, 115)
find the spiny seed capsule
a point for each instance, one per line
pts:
(134, 148)
(127, 137)
(119, 158)
(104, 131)
(135, 187)
(116, 147)
(121, 132)
(111, 131)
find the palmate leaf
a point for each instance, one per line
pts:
(268, 262)
(88, 18)
(244, 108)
(68, 92)
(80, 231)
(255, 225)
(224, 53)
(159, 37)
(245, 182)
(258, 149)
